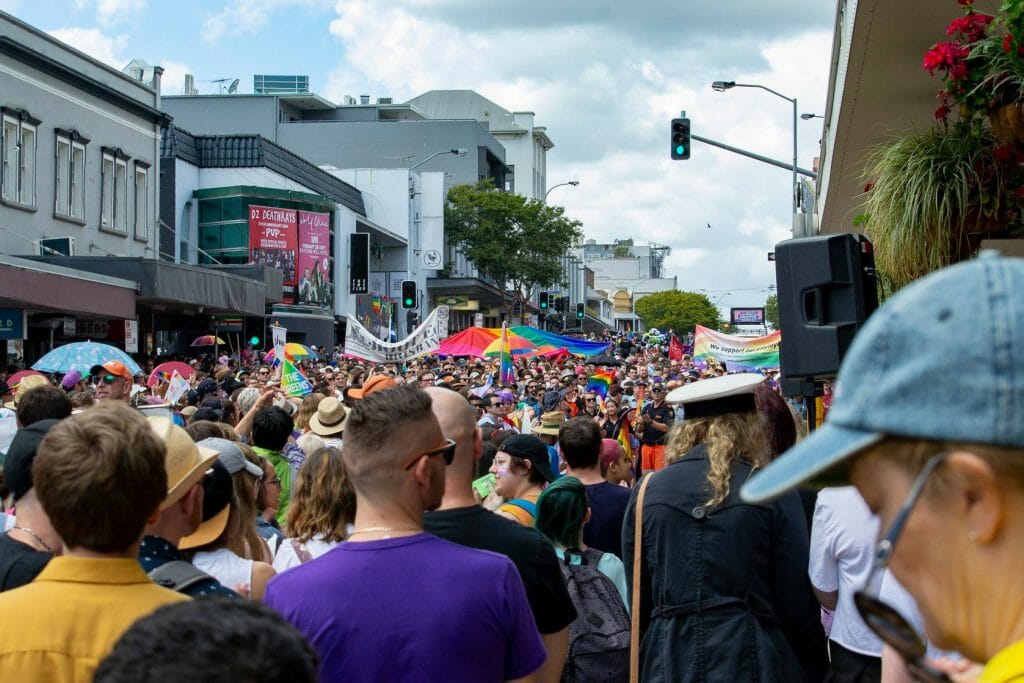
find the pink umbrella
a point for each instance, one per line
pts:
(20, 375)
(164, 371)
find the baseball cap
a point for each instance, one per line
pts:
(530, 448)
(184, 460)
(895, 381)
(20, 455)
(70, 380)
(111, 367)
(231, 456)
(218, 492)
(207, 386)
(375, 383)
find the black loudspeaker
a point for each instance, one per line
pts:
(827, 288)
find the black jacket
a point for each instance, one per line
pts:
(724, 592)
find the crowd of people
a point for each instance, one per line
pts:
(425, 521)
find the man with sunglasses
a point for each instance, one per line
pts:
(657, 418)
(415, 607)
(939, 457)
(112, 382)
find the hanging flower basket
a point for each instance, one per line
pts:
(1008, 123)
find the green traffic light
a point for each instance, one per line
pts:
(408, 303)
(680, 150)
(255, 341)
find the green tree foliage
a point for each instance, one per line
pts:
(677, 311)
(517, 241)
(771, 310)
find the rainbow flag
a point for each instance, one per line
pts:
(600, 381)
(623, 437)
(507, 374)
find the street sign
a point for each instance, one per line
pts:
(12, 323)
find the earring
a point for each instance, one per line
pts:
(972, 536)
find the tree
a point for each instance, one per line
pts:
(677, 311)
(621, 251)
(518, 242)
(771, 310)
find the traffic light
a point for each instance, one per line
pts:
(580, 311)
(542, 301)
(680, 139)
(254, 341)
(408, 294)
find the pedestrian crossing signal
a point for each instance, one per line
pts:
(680, 139)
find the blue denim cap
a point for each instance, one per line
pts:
(943, 360)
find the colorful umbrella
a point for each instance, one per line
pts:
(83, 355)
(20, 375)
(469, 342)
(517, 345)
(293, 350)
(208, 340)
(164, 371)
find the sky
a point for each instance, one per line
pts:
(605, 77)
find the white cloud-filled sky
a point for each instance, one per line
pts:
(604, 77)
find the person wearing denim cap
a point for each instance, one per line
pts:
(938, 456)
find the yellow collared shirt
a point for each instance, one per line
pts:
(61, 625)
(1007, 666)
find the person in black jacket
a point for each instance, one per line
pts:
(724, 593)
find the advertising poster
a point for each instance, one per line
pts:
(314, 266)
(273, 241)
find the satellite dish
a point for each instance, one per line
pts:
(233, 88)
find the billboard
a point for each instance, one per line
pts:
(314, 258)
(273, 241)
(746, 316)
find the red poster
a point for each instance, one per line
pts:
(273, 241)
(314, 271)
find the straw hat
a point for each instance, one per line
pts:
(550, 423)
(329, 418)
(185, 462)
(26, 383)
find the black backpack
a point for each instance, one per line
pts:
(599, 637)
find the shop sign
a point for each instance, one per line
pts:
(92, 329)
(131, 336)
(12, 323)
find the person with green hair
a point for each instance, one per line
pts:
(562, 512)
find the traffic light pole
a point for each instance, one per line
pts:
(755, 156)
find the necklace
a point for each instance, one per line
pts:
(34, 535)
(382, 529)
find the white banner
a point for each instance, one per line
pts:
(442, 322)
(360, 342)
(279, 335)
(131, 336)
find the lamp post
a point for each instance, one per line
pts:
(456, 152)
(722, 86)
(807, 117)
(574, 183)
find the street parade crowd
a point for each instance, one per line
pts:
(633, 515)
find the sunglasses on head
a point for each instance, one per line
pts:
(106, 379)
(447, 452)
(886, 623)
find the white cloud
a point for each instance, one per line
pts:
(173, 80)
(111, 13)
(95, 43)
(248, 17)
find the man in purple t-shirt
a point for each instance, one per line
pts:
(395, 603)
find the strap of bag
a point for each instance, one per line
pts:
(178, 575)
(300, 550)
(634, 635)
(523, 504)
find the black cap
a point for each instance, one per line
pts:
(207, 386)
(218, 490)
(21, 454)
(529, 447)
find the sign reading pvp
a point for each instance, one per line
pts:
(273, 241)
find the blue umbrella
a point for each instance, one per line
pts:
(83, 355)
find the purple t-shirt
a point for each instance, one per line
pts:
(416, 607)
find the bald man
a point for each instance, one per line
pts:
(462, 520)
(427, 595)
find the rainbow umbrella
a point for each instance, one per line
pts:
(208, 340)
(293, 350)
(164, 372)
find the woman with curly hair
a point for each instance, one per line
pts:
(322, 509)
(306, 410)
(723, 587)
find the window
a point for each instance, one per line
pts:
(141, 200)
(114, 199)
(69, 194)
(19, 157)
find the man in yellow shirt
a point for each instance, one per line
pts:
(100, 478)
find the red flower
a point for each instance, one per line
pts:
(941, 113)
(1007, 43)
(966, 3)
(1002, 153)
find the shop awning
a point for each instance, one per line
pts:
(46, 287)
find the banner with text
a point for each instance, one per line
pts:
(314, 268)
(736, 352)
(362, 343)
(273, 241)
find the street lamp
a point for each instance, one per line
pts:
(722, 86)
(457, 152)
(808, 117)
(574, 183)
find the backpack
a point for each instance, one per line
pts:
(178, 575)
(599, 638)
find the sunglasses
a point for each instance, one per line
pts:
(106, 379)
(882, 619)
(447, 451)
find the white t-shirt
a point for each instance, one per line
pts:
(843, 536)
(897, 597)
(286, 557)
(231, 570)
